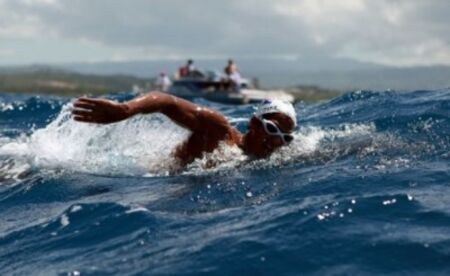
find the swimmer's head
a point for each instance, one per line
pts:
(270, 127)
(277, 106)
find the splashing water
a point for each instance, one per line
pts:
(362, 189)
(135, 147)
(144, 145)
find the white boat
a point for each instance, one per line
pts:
(208, 85)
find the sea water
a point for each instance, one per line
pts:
(364, 188)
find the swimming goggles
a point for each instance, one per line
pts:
(272, 129)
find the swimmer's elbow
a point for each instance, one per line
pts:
(154, 101)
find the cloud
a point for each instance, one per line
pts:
(7, 52)
(400, 32)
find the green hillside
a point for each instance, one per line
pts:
(46, 80)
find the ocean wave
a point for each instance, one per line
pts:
(362, 189)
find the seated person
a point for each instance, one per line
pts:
(187, 70)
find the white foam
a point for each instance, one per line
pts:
(137, 209)
(307, 144)
(64, 220)
(76, 208)
(133, 147)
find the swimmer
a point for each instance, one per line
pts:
(270, 127)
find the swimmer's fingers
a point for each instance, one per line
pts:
(81, 115)
(84, 119)
(94, 116)
(88, 119)
(92, 108)
(99, 111)
(83, 105)
(81, 112)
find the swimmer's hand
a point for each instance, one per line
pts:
(100, 111)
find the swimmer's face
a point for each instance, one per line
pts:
(260, 143)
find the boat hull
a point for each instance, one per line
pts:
(192, 90)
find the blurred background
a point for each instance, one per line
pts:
(101, 46)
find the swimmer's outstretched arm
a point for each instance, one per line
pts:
(182, 112)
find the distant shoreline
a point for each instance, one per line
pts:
(42, 80)
(51, 81)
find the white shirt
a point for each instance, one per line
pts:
(236, 79)
(162, 83)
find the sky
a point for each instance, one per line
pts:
(387, 32)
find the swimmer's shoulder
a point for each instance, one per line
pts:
(215, 122)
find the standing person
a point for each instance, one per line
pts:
(235, 81)
(163, 82)
(230, 68)
(270, 127)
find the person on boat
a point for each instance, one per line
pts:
(235, 80)
(163, 82)
(269, 128)
(232, 80)
(187, 70)
(230, 68)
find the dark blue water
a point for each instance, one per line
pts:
(364, 189)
